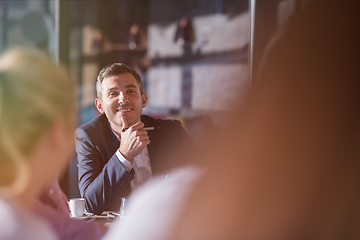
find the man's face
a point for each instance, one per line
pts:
(121, 97)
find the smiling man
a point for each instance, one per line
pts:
(116, 151)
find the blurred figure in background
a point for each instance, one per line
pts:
(291, 160)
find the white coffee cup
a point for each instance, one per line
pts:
(77, 207)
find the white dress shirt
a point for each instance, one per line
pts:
(141, 166)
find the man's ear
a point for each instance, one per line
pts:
(144, 100)
(98, 105)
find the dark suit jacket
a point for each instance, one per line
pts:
(102, 178)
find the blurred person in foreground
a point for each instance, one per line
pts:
(115, 152)
(292, 152)
(37, 117)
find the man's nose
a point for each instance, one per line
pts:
(122, 98)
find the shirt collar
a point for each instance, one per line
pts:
(117, 136)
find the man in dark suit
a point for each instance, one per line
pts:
(120, 149)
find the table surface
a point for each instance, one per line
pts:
(102, 218)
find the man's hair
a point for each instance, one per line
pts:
(116, 69)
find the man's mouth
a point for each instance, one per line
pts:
(124, 110)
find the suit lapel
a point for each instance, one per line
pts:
(113, 140)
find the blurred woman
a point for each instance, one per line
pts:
(36, 138)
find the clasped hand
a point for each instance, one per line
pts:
(133, 140)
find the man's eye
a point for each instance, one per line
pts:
(112, 94)
(131, 91)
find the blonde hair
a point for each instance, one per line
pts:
(34, 93)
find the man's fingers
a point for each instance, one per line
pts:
(137, 126)
(140, 133)
(143, 137)
(144, 143)
(140, 143)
